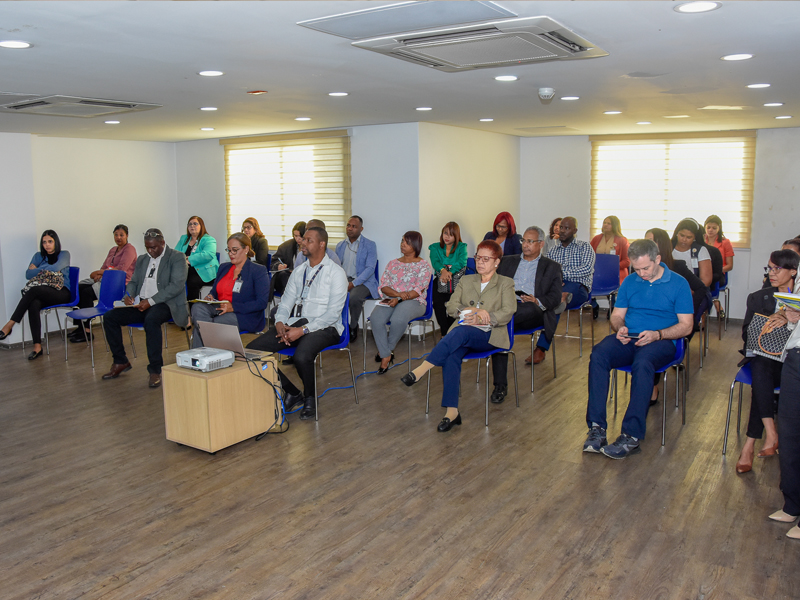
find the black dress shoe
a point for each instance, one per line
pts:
(309, 411)
(447, 424)
(287, 360)
(34, 355)
(409, 379)
(3, 335)
(499, 393)
(595, 312)
(353, 333)
(81, 337)
(292, 401)
(381, 370)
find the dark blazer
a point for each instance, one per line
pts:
(250, 302)
(548, 286)
(497, 299)
(286, 252)
(260, 247)
(171, 279)
(763, 302)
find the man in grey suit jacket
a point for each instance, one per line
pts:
(537, 282)
(159, 281)
(359, 258)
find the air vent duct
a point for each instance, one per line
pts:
(73, 106)
(500, 43)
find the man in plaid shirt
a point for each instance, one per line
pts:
(576, 258)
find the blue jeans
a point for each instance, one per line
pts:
(579, 296)
(644, 362)
(448, 354)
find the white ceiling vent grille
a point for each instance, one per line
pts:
(512, 41)
(73, 106)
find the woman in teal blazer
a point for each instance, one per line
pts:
(201, 256)
(448, 258)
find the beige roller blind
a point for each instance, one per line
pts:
(657, 181)
(283, 179)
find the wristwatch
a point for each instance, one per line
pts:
(305, 330)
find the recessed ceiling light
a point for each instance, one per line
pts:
(15, 44)
(676, 117)
(211, 73)
(697, 7)
(257, 92)
(644, 123)
(302, 118)
(486, 120)
(424, 108)
(506, 78)
(337, 94)
(206, 129)
(613, 112)
(774, 104)
(112, 122)
(784, 117)
(756, 86)
(209, 108)
(571, 98)
(737, 57)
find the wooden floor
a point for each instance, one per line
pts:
(371, 502)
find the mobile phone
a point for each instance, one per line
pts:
(632, 336)
(520, 293)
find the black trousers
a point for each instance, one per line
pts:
(307, 348)
(528, 316)
(193, 284)
(86, 298)
(789, 424)
(439, 299)
(153, 318)
(33, 301)
(766, 377)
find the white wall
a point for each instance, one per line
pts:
(466, 176)
(555, 181)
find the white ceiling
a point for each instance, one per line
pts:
(660, 63)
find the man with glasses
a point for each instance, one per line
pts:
(537, 282)
(359, 257)
(653, 308)
(155, 294)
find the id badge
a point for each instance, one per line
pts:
(694, 263)
(298, 310)
(237, 286)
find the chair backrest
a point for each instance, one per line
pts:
(606, 274)
(112, 287)
(511, 333)
(269, 263)
(344, 339)
(428, 302)
(680, 350)
(471, 270)
(74, 278)
(377, 272)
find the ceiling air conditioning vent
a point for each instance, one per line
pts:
(511, 41)
(72, 106)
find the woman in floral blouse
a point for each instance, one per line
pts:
(404, 286)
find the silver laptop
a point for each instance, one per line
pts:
(226, 337)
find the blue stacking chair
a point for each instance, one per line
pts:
(723, 288)
(471, 270)
(743, 377)
(343, 344)
(426, 318)
(487, 355)
(680, 352)
(535, 333)
(575, 305)
(73, 302)
(605, 282)
(112, 288)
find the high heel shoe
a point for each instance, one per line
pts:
(771, 451)
(3, 335)
(378, 357)
(34, 355)
(782, 517)
(382, 370)
(409, 379)
(744, 467)
(446, 424)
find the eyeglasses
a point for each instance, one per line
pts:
(524, 241)
(483, 259)
(246, 227)
(233, 250)
(502, 226)
(154, 233)
(768, 270)
(193, 224)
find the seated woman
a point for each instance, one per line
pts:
(554, 235)
(258, 242)
(201, 256)
(403, 288)
(449, 261)
(687, 244)
(486, 303)
(241, 287)
(504, 232)
(766, 373)
(611, 241)
(283, 261)
(47, 291)
(121, 257)
(715, 237)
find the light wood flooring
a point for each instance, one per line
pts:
(371, 502)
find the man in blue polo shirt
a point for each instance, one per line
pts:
(654, 306)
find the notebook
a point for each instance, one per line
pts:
(226, 337)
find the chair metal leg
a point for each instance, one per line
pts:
(91, 341)
(664, 411)
(428, 394)
(103, 329)
(46, 333)
(66, 341)
(316, 396)
(130, 336)
(739, 411)
(514, 362)
(727, 306)
(566, 329)
(534, 338)
(553, 348)
(364, 338)
(408, 335)
(580, 334)
(677, 389)
(352, 373)
(487, 389)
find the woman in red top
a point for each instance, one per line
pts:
(611, 241)
(715, 236)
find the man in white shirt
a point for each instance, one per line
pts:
(159, 281)
(309, 318)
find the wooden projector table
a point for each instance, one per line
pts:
(211, 411)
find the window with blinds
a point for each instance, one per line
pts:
(283, 179)
(649, 182)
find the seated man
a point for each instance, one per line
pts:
(576, 258)
(301, 258)
(309, 317)
(537, 281)
(359, 257)
(159, 280)
(654, 307)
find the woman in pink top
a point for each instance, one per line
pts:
(404, 287)
(715, 236)
(611, 241)
(122, 257)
